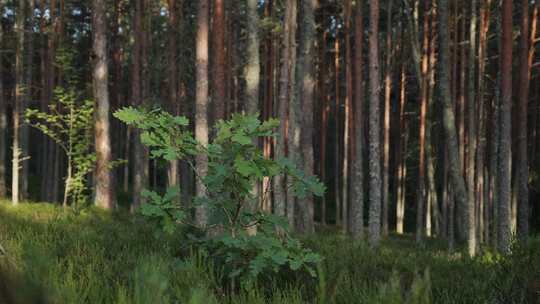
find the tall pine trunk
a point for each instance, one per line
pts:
(104, 179)
(285, 84)
(375, 182)
(3, 119)
(19, 101)
(455, 172)
(522, 174)
(505, 141)
(357, 190)
(201, 106)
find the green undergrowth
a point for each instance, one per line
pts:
(99, 257)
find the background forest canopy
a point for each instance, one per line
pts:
(418, 117)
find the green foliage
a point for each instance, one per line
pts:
(235, 165)
(68, 123)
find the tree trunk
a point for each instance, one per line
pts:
(218, 53)
(505, 152)
(522, 174)
(25, 151)
(174, 107)
(375, 182)
(285, 84)
(18, 106)
(337, 112)
(140, 160)
(348, 106)
(293, 132)
(357, 193)
(201, 106)
(301, 113)
(471, 136)
(386, 138)
(421, 190)
(3, 120)
(401, 163)
(253, 68)
(104, 180)
(456, 176)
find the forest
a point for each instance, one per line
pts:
(269, 151)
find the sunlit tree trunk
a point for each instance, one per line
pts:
(19, 100)
(348, 106)
(401, 163)
(386, 123)
(253, 68)
(172, 77)
(471, 136)
(375, 182)
(104, 180)
(505, 152)
(337, 112)
(201, 105)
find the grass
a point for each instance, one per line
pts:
(99, 257)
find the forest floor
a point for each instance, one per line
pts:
(98, 257)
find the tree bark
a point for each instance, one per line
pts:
(174, 107)
(471, 136)
(3, 119)
(302, 107)
(348, 106)
(505, 152)
(456, 176)
(104, 180)
(218, 50)
(293, 132)
(285, 84)
(386, 124)
(375, 182)
(20, 91)
(357, 191)
(201, 106)
(139, 176)
(253, 68)
(522, 160)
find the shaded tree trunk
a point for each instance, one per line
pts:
(293, 131)
(3, 119)
(104, 179)
(456, 176)
(302, 108)
(375, 182)
(218, 53)
(357, 191)
(281, 206)
(505, 152)
(522, 173)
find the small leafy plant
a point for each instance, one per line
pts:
(235, 165)
(69, 124)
